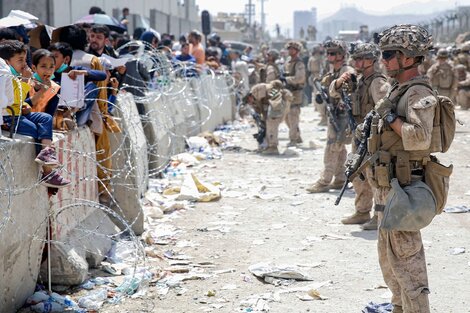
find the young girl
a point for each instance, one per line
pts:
(33, 124)
(43, 96)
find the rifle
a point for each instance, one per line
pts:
(323, 97)
(261, 127)
(347, 105)
(355, 163)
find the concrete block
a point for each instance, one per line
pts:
(130, 164)
(23, 213)
(157, 125)
(79, 228)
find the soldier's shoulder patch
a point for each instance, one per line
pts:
(424, 102)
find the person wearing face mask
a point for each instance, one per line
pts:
(372, 86)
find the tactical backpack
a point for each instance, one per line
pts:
(436, 175)
(444, 123)
(277, 104)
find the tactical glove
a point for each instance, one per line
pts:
(384, 107)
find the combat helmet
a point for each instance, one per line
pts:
(465, 47)
(442, 53)
(366, 51)
(411, 40)
(294, 44)
(336, 46)
(274, 53)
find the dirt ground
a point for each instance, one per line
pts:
(265, 215)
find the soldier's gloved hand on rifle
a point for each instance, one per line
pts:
(384, 107)
(283, 79)
(359, 132)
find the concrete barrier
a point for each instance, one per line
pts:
(22, 236)
(156, 124)
(79, 227)
(130, 163)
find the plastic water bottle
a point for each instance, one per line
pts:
(65, 301)
(93, 300)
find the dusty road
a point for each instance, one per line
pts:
(265, 215)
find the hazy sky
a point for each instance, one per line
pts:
(281, 11)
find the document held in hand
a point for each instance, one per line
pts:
(72, 91)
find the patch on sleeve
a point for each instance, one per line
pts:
(424, 103)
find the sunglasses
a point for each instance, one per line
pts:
(332, 53)
(388, 55)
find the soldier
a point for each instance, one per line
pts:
(404, 143)
(294, 79)
(335, 150)
(271, 101)
(372, 86)
(463, 87)
(315, 67)
(442, 75)
(462, 56)
(271, 71)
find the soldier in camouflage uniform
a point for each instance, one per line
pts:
(442, 75)
(315, 67)
(405, 129)
(271, 70)
(294, 79)
(463, 87)
(271, 101)
(371, 87)
(335, 151)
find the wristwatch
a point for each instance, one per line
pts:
(390, 118)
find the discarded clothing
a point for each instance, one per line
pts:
(373, 307)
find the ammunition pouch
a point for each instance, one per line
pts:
(437, 176)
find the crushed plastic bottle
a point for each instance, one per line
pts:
(48, 307)
(93, 300)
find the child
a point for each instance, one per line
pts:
(43, 96)
(35, 124)
(63, 53)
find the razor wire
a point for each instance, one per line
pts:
(178, 100)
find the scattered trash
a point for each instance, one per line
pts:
(456, 251)
(311, 295)
(186, 159)
(218, 272)
(257, 303)
(93, 300)
(457, 209)
(211, 293)
(264, 270)
(297, 203)
(175, 256)
(373, 307)
(193, 189)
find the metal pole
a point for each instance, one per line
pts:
(249, 12)
(49, 270)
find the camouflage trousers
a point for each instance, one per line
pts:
(334, 157)
(272, 131)
(463, 99)
(364, 192)
(403, 265)
(292, 121)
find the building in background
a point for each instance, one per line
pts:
(165, 16)
(305, 25)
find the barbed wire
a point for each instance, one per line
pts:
(178, 101)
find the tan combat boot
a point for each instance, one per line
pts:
(337, 184)
(270, 151)
(356, 218)
(397, 309)
(318, 187)
(372, 224)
